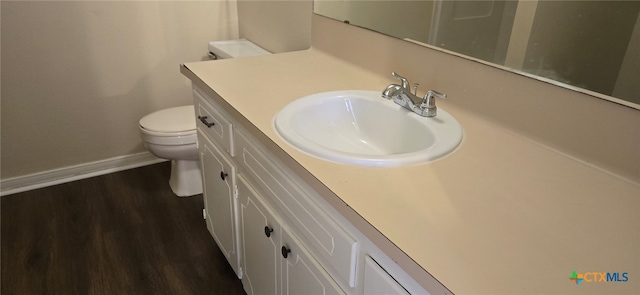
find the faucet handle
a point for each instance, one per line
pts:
(429, 98)
(405, 82)
(429, 102)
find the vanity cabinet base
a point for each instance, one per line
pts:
(278, 234)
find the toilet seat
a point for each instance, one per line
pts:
(172, 126)
(171, 120)
(169, 138)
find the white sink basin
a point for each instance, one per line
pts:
(362, 128)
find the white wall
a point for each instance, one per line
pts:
(77, 76)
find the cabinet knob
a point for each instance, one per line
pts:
(285, 251)
(268, 231)
(203, 119)
(223, 175)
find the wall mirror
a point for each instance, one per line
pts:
(580, 44)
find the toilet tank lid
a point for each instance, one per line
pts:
(235, 48)
(177, 119)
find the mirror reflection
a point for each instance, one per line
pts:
(594, 45)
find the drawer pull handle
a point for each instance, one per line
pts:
(285, 252)
(268, 231)
(203, 119)
(223, 175)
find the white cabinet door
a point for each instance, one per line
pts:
(218, 189)
(259, 242)
(378, 282)
(301, 274)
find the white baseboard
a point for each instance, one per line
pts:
(67, 174)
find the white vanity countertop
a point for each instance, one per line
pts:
(501, 215)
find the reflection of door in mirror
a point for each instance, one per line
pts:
(584, 48)
(479, 29)
(581, 43)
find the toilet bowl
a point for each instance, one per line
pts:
(171, 134)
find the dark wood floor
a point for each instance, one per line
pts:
(122, 233)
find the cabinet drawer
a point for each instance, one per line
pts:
(328, 241)
(213, 123)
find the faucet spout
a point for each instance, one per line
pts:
(391, 91)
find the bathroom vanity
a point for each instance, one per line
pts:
(502, 214)
(277, 233)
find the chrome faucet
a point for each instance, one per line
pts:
(401, 94)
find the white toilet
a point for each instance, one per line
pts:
(171, 133)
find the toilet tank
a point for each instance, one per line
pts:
(235, 48)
